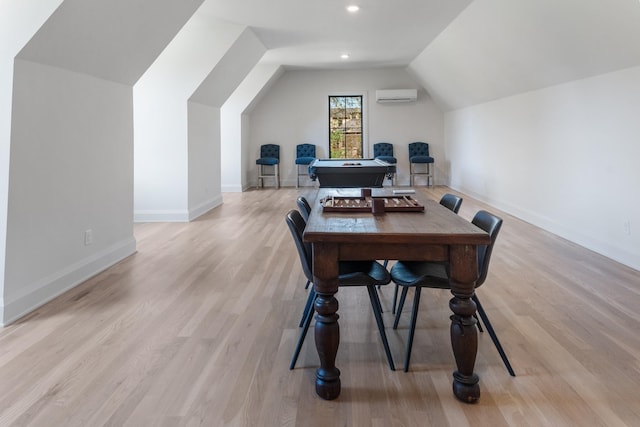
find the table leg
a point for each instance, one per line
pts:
(327, 330)
(464, 335)
(327, 341)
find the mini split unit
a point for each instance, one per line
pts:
(397, 95)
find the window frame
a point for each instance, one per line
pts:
(365, 121)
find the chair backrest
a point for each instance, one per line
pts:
(382, 149)
(451, 201)
(270, 150)
(305, 150)
(296, 224)
(491, 224)
(304, 207)
(418, 149)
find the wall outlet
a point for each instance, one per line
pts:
(627, 227)
(88, 237)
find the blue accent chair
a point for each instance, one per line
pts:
(305, 154)
(384, 152)
(419, 155)
(269, 156)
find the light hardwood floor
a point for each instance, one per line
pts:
(197, 328)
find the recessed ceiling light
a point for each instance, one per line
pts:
(344, 56)
(353, 8)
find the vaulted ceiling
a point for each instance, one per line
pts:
(463, 52)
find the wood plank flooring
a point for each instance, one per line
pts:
(197, 328)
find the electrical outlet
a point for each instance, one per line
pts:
(88, 237)
(627, 227)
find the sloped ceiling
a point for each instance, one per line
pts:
(468, 52)
(303, 34)
(229, 72)
(115, 40)
(498, 48)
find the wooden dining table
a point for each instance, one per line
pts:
(435, 234)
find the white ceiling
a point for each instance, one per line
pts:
(462, 52)
(499, 48)
(306, 34)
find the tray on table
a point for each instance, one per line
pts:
(364, 204)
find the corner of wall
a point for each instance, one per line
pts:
(37, 294)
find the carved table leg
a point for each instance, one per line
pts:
(327, 341)
(464, 335)
(327, 330)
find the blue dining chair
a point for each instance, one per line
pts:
(269, 156)
(419, 155)
(305, 154)
(384, 151)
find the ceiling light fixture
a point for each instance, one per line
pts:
(353, 8)
(344, 56)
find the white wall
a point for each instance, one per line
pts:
(67, 70)
(234, 136)
(203, 159)
(71, 171)
(177, 156)
(161, 117)
(19, 19)
(563, 158)
(295, 111)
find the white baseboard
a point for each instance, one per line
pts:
(161, 216)
(176, 215)
(232, 189)
(205, 207)
(630, 258)
(46, 289)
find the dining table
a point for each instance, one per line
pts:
(432, 234)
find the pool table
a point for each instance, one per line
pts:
(350, 173)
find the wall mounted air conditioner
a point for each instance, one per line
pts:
(397, 95)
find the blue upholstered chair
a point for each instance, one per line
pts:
(269, 156)
(418, 275)
(419, 155)
(384, 152)
(449, 201)
(351, 273)
(305, 154)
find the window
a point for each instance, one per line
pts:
(345, 127)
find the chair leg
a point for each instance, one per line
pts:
(303, 334)
(493, 335)
(403, 296)
(412, 327)
(411, 174)
(478, 322)
(378, 303)
(308, 306)
(395, 299)
(375, 303)
(277, 176)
